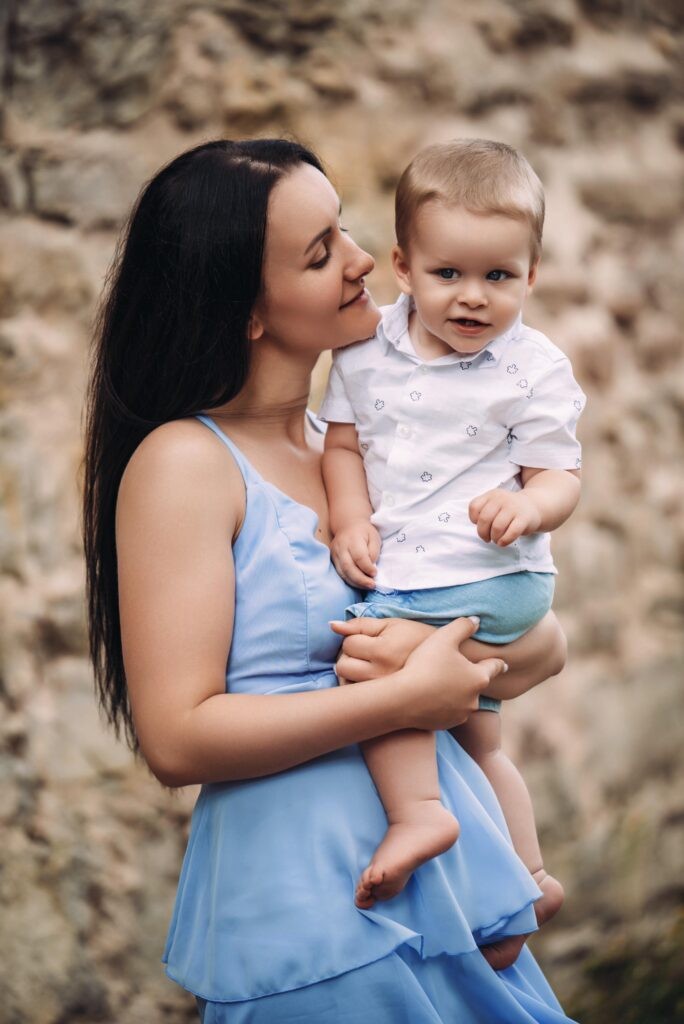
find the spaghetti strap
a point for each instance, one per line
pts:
(248, 471)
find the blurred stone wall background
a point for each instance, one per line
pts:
(96, 95)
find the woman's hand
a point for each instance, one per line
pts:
(376, 647)
(438, 687)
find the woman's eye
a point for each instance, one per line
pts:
(447, 273)
(497, 275)
(319, 264)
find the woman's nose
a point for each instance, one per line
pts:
(359, 262)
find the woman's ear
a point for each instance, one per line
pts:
(402, 270)
(255, 328)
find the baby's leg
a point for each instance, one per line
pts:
(481, 737)
(404, 768)
(531, 659)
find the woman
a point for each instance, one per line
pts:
(210, 591)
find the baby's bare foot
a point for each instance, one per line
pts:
(502, 954)
(424, 830)
(552, 896)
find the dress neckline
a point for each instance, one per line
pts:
(267, 483)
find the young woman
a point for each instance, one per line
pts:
(210, 593)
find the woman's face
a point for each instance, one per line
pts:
(314, 296)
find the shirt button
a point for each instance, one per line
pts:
(389, 500)
(403, 431)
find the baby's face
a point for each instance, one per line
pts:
(469, 275)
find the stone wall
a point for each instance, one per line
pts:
(96, 96)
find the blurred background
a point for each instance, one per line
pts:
(96, 95)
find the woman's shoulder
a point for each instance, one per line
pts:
(180, 466)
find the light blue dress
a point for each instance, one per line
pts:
(264, 928)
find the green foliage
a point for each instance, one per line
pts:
(634, 984)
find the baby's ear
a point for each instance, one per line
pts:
(402, 270)
(532, 275)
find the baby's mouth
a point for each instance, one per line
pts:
(465, 322)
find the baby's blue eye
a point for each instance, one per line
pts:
(447, 273)
(497, 275)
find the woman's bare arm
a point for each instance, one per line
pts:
(180, 503)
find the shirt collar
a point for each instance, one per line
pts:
(393, 330)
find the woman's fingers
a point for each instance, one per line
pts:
(354, 670)
(493, 667)
(360, 645)
(458, 630)
(367, 626)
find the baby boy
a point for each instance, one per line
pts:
(450, 455)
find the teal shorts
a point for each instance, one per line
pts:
(507, 606)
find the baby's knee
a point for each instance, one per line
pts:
(557, 653)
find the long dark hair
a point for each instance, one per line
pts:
(170, 340)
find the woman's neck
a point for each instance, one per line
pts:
(274, 398)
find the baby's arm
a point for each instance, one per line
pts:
(548, 497)
(356, 542)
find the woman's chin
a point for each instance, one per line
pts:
(369, 326)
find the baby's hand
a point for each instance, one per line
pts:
(503, 516)
(354, 552)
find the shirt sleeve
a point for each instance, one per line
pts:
(543, 435)
(336, 407)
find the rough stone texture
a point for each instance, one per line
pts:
(95, 96)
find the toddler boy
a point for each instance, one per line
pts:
(450, 455)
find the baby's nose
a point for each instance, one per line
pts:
(472, 293)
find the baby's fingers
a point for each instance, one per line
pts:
(512, 532)
(486, 518)
(362, 559)
(347, 569)
(501, 523)
(476, 505)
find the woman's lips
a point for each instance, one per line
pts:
(357, 300)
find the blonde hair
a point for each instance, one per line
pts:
(480, 175)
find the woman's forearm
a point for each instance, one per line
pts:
(240, 736)
(226, 737)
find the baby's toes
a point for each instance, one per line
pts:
(363, 897)
(363, 900)
(372, 876)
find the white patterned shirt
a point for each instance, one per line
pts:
(434, 435)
